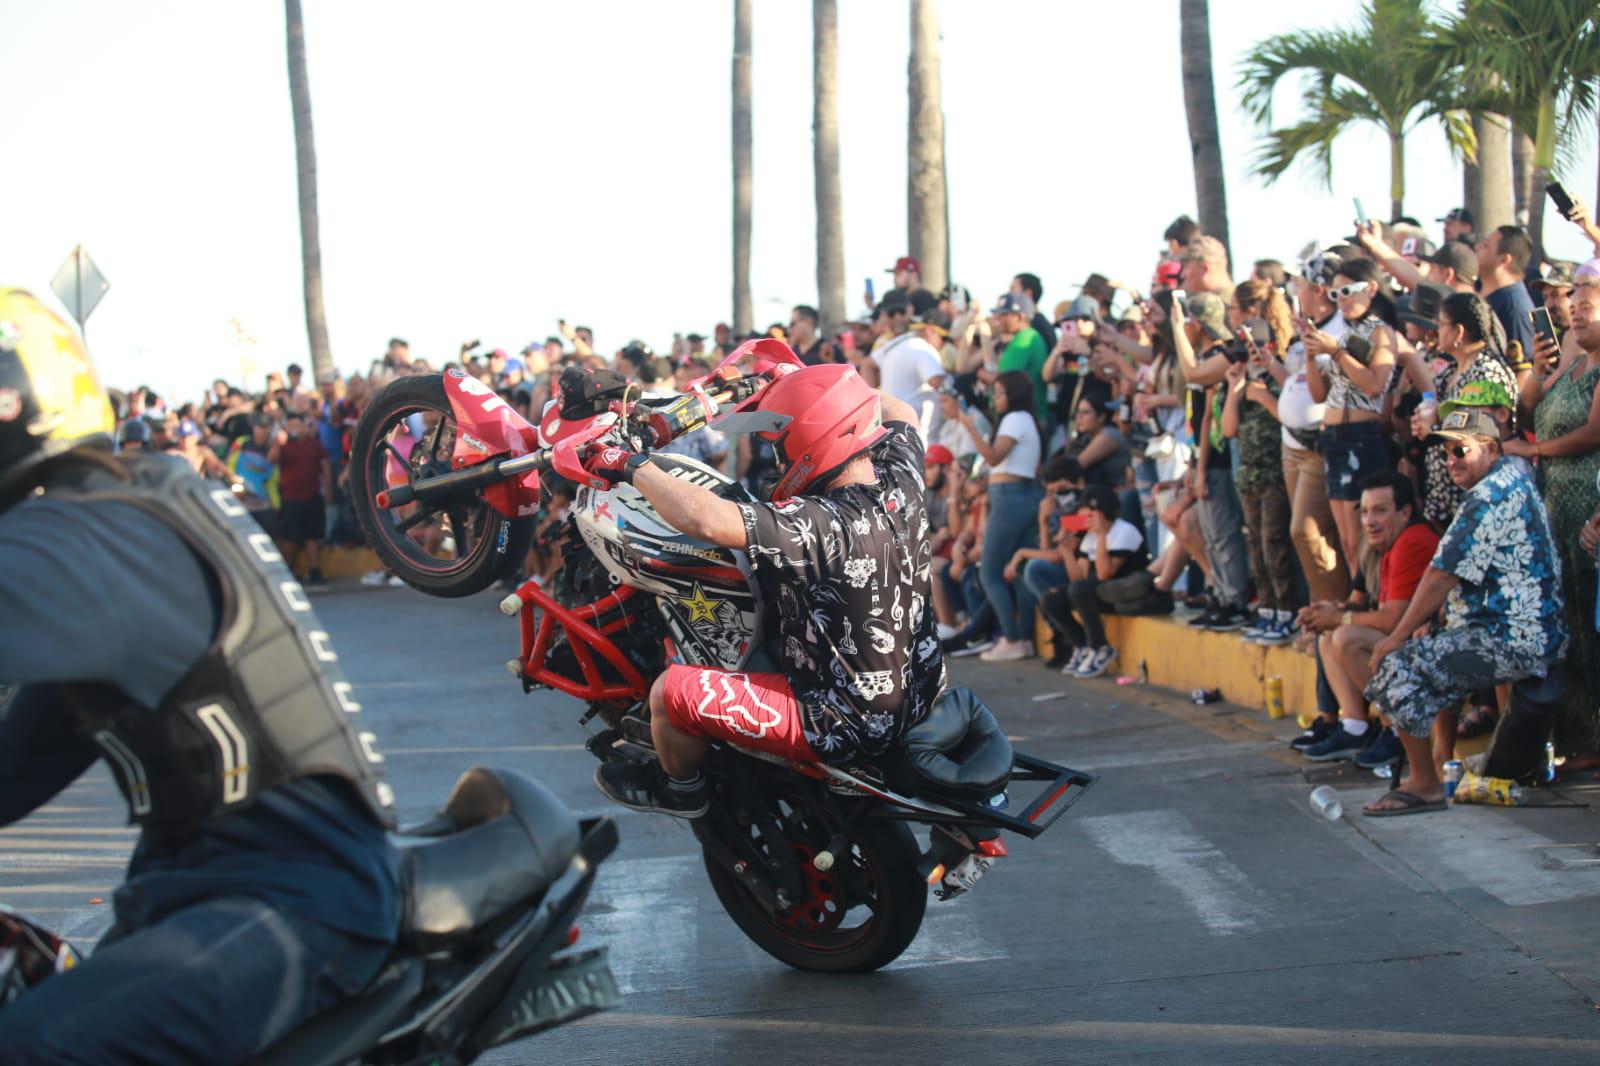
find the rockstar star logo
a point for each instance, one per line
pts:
(701, 608)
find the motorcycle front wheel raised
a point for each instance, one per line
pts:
(457, 548)
(823, 932)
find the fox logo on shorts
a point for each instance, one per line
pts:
(744, 713)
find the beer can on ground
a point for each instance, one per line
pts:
(1452, 777)
(1275, 708)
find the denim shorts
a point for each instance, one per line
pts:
(1350, 452)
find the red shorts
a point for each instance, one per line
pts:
(747, 710)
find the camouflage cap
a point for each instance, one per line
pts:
(1208, 309)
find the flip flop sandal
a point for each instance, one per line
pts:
(1410, 803)
(1477, 722)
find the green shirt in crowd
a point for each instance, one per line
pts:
(1027, 353)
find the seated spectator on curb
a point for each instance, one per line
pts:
(1038, 570)
(1498, 577)
(1111, 552)
(963, 577)
(949, 430)
(1404, 545)
(1012, 455)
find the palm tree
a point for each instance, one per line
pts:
(743, 316)
(925, 207)
(825, 158)
(1200, 101)
(1386, 71)
(1545, 57)
(1489, 183)
(305, 152)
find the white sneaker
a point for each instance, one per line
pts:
(1006, 651)
(395, 582)
(945, 632)
(372, 578)
(1075, 663)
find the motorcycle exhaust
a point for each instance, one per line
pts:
(469, 479)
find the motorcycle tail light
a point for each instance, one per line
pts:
(572, 936)
(994, 849)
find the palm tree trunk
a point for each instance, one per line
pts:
(1492, 206)
(925, 208)
(1544, 161)
(1397, 174)
(305, 153)
(1200, 103)
(1521, 174)
(743, 314)
(825, 158)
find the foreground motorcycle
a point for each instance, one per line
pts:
(815, 863)
(493, 887)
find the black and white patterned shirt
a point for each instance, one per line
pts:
(847, 577)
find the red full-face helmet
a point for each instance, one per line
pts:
(818, 419)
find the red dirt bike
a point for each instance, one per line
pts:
(815, 863)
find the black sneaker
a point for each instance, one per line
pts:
(641, 786)
(1059, 659)
(1320, 728)
(1201, 620)
(1385, 750)
(1339, 744)
(1227, 619)
(960, 646)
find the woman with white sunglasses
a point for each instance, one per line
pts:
(1357, 373)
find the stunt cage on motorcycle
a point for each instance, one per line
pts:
(816, 863)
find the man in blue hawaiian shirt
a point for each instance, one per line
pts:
(1497, 576)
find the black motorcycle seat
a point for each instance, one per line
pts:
(958, 748)
(509, 839)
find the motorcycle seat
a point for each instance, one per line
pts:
(958, 748)
(508, 839)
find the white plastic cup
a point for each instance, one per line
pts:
(1325, 801)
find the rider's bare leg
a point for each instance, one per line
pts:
(680, 753)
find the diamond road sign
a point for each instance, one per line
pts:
(79, 284)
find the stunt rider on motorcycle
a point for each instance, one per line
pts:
(841, 556)
(150, 622)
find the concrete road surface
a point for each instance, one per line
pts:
(1191, 909)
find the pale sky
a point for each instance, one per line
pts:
(488, 166)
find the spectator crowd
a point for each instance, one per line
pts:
(1383, 451)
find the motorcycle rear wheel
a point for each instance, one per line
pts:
(487, 544)
(886, 854)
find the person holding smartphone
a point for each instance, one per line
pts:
(1564, 407)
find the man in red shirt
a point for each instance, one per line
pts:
(305, 477)
(1346, 638)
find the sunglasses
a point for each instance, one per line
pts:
(1461, 451)
(1355, 288)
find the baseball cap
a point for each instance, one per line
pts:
(1081, 307)
(938, 453)
(1588, 269)
(1169, 272)
(1207, 309)
(1420, 247)
(1458, 257)
(1423, 307)
(1480, 393)
(1558, 275)
(1465, 423)
(1010, 303)
(1457, 214)
(905, 262)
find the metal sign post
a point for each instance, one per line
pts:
(79, 285)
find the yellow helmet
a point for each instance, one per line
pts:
(51, 399)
